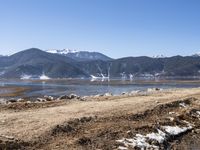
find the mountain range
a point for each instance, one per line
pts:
(80, 55)
(74, 64)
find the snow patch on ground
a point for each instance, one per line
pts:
(176, 130)
(122, 148)
(139, 141)
(198, 112)
(25, 77)
(160, 136)
(44, 77)
(183, 104)
(142, 141)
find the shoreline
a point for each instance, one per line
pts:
(25, 91)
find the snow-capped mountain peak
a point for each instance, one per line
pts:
(80, 55)
(159, 56)
(196, 54)
(62, 51)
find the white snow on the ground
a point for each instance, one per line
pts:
(122, 148)
(138, 141)
(160, 136)
(141, 141)
(2, 101)
(183, 105)
(170, 118)
(176, 130)
(171, 113)
(25, 77)
(44, 77)
(198, 112)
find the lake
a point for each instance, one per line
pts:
(82, 87)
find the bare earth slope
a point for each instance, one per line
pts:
(101, 121)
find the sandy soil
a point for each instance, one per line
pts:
(101, 121)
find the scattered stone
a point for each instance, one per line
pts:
(197, 130)
(171, 113)
(3, 101)
(183, 105)
(41, 100)
(125, 93)
(12, 100)
(48, 98)
(72, 96)
(98, 95)
(170, 118)
(21, 100)
(122, 148)
(28, 102)
(84, 98)
(108, 94)
(157, 89)
(134, 92)
(198, 112)
(128, 131)
(153, 89)
(63, 97)
(7, 137)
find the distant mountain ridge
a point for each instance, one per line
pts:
(35, 62)
(196, 54)
(80, 55)
(61, 51)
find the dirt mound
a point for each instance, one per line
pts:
(71, 126)
(9, 143)
(21, 106)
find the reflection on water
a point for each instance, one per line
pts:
(86, 87)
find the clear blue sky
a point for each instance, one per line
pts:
(115, 27)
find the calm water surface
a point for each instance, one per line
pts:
(86, 87)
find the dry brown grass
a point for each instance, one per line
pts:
(32, 123)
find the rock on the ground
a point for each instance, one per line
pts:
(153, 89)
(108, 94)
(98, 95)
(41, 100)
(134, 92)
(125, 93)
(63, 97)
(12, 100)
(48, 98)
(21, 100)
(71, 96)
(2, 101)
